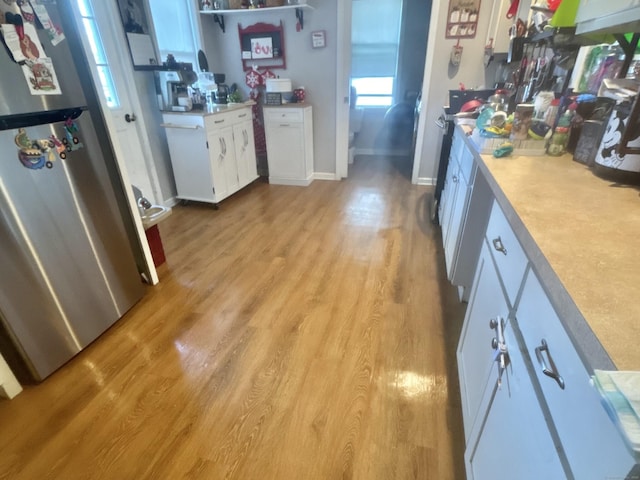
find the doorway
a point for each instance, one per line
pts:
(385, 64)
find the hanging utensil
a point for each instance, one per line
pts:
(203, 64)
(513, 9)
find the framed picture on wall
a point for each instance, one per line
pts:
(462, 18)
(138, 28)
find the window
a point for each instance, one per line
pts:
(375, 37)
(100, 58)
(175, 30)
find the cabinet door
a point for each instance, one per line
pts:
(448, 197)
(513, 440)
(222, 160)
(475, 352)
(575, 407)
(245, 151)
(192, 169)
(285, 150)
(459, 206)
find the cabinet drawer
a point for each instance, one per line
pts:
(507, 252)
(241, 115)
(594, 447)
(220, 120)
(283, 115)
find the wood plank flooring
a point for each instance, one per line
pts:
(297, 333)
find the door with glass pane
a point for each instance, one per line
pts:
(102, 40)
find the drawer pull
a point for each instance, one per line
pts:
(498, 245)
(285, 125)
(550, 370)
(218, 121)
(242, 116)
(455, 179)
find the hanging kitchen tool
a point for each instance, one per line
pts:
(513, 9)
(203, 64)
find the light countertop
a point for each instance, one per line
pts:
(213, 109)
(582, 235)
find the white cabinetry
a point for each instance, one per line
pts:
(499, 25)
(593, 446)
(213, 156)
(611, 16)
(463, 212)
(545, 420)
(289, 132)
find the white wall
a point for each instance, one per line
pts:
(440, 77)
(315, 69)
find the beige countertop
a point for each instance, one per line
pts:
(213, 109)
(582, 235)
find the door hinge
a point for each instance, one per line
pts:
(214, 190)
(207, 142)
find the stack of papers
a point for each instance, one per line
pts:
(620, 391)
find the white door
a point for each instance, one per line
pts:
(104, 42)
(343, 83)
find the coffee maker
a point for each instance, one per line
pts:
(172, 89)
(221, 93)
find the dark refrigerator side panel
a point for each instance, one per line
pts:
(70, 272)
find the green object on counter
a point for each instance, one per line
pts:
(503, 150)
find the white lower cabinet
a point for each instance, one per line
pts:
(545, 420)
(289, 134)
(591, 442)
(212, 155)
(512, 440)
(474, 354)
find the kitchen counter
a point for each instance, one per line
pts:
(581, 234)
(213, 109)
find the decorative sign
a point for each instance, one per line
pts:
(462, 19)
(273, 98)
(262, 47)
(134, 16)
(318, 39)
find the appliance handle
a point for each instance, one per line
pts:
(23, 120)
(184, 127)
(441, 122)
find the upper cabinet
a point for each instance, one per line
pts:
(611, 16)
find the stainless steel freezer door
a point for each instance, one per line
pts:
(68, 271)
(15, 97)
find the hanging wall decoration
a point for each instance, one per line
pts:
(139, 30)
(462, 19)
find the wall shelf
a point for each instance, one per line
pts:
(218, 15)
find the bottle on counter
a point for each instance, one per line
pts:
(558, 142)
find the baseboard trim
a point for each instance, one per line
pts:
(426, 181)
(324, 176)
(294, 182)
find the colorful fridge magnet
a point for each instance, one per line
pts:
(26, 11)
(34, 154)
(54, 31)
(41, 77)
(71, 141)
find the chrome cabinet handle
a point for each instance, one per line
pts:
(499, 246)
(549, 370)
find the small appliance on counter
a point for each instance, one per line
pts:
(221, 93)
(172, 89)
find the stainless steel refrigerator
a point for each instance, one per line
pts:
(67, 268)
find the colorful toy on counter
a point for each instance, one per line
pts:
(503, 150)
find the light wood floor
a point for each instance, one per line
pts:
(297, 333)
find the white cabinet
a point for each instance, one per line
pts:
(464, 208)
(212, 155)
(545, 420)
(289, 132)
(583, 425)
(475, 353)
(499, 25)
(611, 16)
(513, 440)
